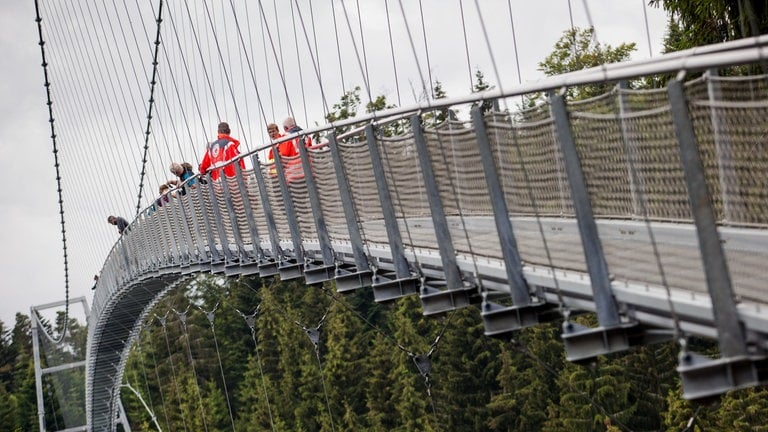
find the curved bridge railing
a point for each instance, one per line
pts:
(648, 207)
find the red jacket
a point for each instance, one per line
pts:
(225, 148)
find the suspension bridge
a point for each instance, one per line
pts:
(644, 205)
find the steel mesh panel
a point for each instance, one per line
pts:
(358, 168)
(530, 167)
(197, 211)
(187, 201)
(165, 232)
(254, 198)
(641, 100)
(178, 226)
(696, 89)
(463, 190)
(599, 143)
(210, 223)
(661, 182)
(741, 88)
(275, 197)
(735, 157)
(297, 186)
(328, 192)
(409, 196)
(238, 205)
(221, 202)
(601, 104)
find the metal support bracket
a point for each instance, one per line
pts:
(501, 321)
(703, 377)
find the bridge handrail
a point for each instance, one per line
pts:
(459, 210)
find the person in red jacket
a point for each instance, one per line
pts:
(224, 149)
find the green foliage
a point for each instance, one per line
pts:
(578, 49)
(346, 107)
(694, 23)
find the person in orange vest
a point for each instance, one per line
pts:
(286, 148)
(224, 149)
(294, 171)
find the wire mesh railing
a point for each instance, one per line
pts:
(421, 198)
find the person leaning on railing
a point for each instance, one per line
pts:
(119, 222)
(184, 171)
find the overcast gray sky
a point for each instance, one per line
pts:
(31, 259)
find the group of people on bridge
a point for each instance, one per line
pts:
(217, 156)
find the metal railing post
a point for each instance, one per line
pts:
(348, 205)
(274, 236)
(731, 336)
(607, 313)
(442, 232)
(317, 211)
(233, 216)
(214, 251)
(217, 217)
(252, 228)
(402, 270)
(290, 211)
(513, 263)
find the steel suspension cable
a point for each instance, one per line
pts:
(431, 93)
(466, 43)
(151, 102)
(141, 399)
(362, 46)
(280, 65)
(59, 157)
(647, 28)
(195, 100)
(413, 49)
(338, 46)
(161, 87)
(250, 66)
(392, 51)
(210, 316)
(49, 102)
(140, 354)
(183, 320)
(314, 39)
(363, 71)
(202, 61)
(226, 74)
(315, 59)
(244, 52)
(267, 68)
(314, 337)
(250, 321)
(97, 72)
(298, 63)
(514, 42)
(157, 378)
(524, 169)
(163, 323)
(79, 94)
(176, 88)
